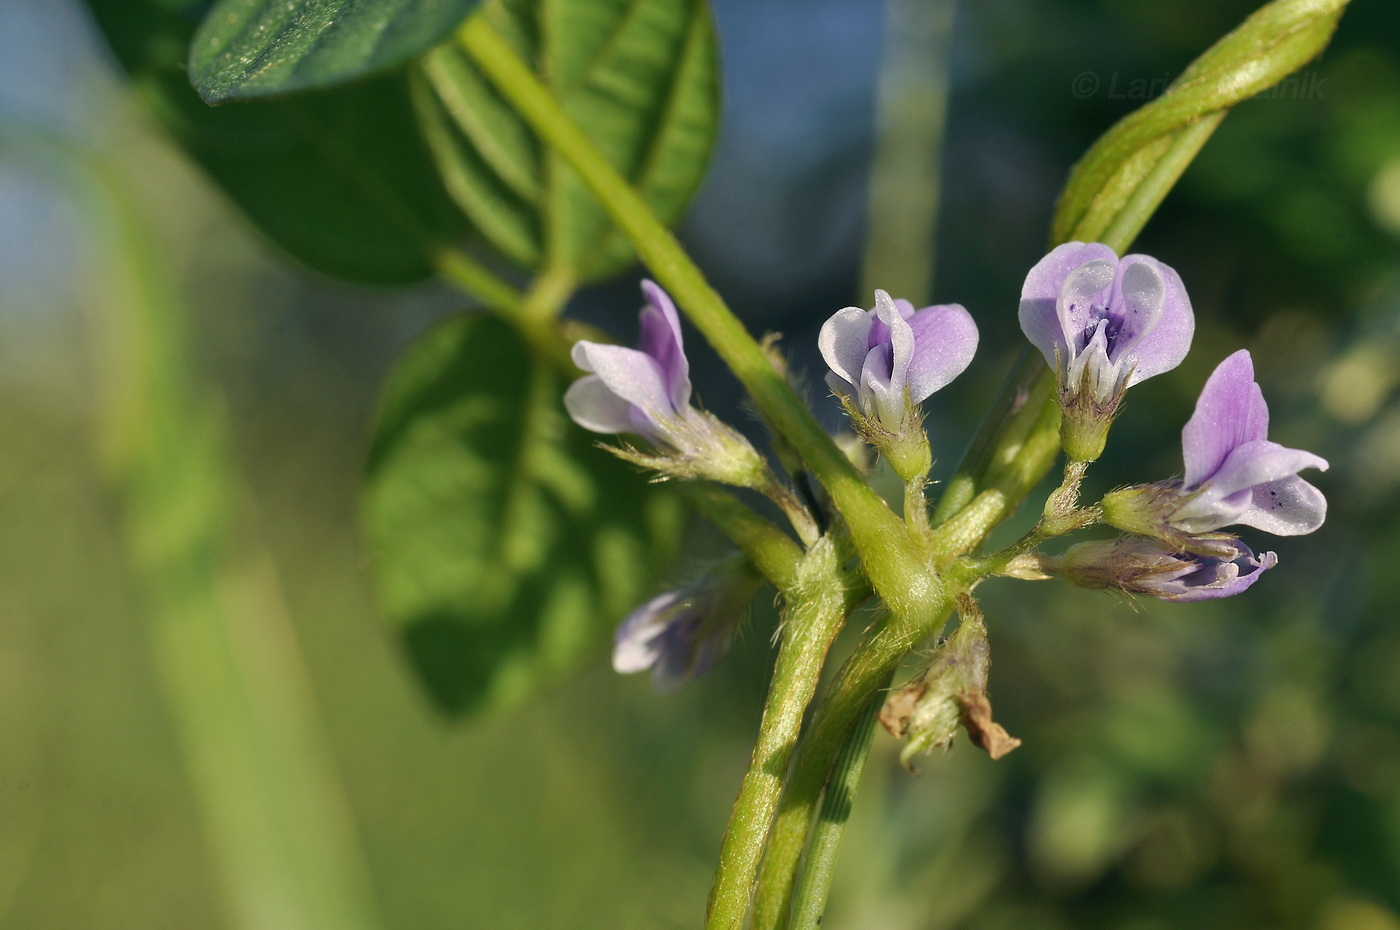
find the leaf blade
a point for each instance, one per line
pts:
(255, 48)
(504, 542)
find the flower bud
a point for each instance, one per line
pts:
(1140, 566)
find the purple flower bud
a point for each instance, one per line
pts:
(1234, 475)
(1140, 566)
(644, 390)
(888, 359)
(679, 635)
(1102, 322)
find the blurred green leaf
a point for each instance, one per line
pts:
(640, 78)
(1116, 186)
(253, 48)
(341, 180)
(505, 542)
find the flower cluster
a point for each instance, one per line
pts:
(1103, 324)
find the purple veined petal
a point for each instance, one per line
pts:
(1260, 462)
(945, 340)
(1163, 347)
(637, 644)
(901, 343)
(1080, 305)
(592, 405)
(1040, 295)
(1230, 412)
(661, 339)
(1135, 313)
(1218, 578)
(905, 308)
(632, 375)
(843, 342)
(1288, 507)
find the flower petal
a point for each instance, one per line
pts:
(1288, 507)
(1218, 578)
(632, 375)
(1261, 462)
(843, 344)
(945, 340)
(1230, 412)
(637, 645)
(1039, 318)
(661, 339)
(901, 342)
(1160, 347)
(592, 405)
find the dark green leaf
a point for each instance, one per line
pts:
(341, 180)
(640, 78)
(253, 48)
(505, 542)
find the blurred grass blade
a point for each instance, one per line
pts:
(640, 78)
(506, 544)
(1146, 145)
(253, 48)
(341, 180)
(280, 829)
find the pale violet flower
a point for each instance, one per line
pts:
(1234, 474)
(887, 360)
(680, 634)
(1103, 324)
(1140, 566)
(646, 391)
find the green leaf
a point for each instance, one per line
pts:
(505, 542)
(254, 48)
(639, 78)
(341, 180)
(1123, 177)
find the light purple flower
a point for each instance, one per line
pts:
(646, 390)
(680, 634)
(1141, 566)
(1234, 475)
(1105, 323)
(890, 358)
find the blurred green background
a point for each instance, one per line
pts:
(1233, 764)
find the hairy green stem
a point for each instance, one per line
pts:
(816, 611)
(776, 557)
(809, 900)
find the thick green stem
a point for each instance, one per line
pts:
(817, 608)
(892, 556)
(863, 676)
(809, 900)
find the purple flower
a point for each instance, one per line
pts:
(644, 390)
(1141, 566)
(1234, 475)
(679, 635)
(1105, 323)
(888, 359)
